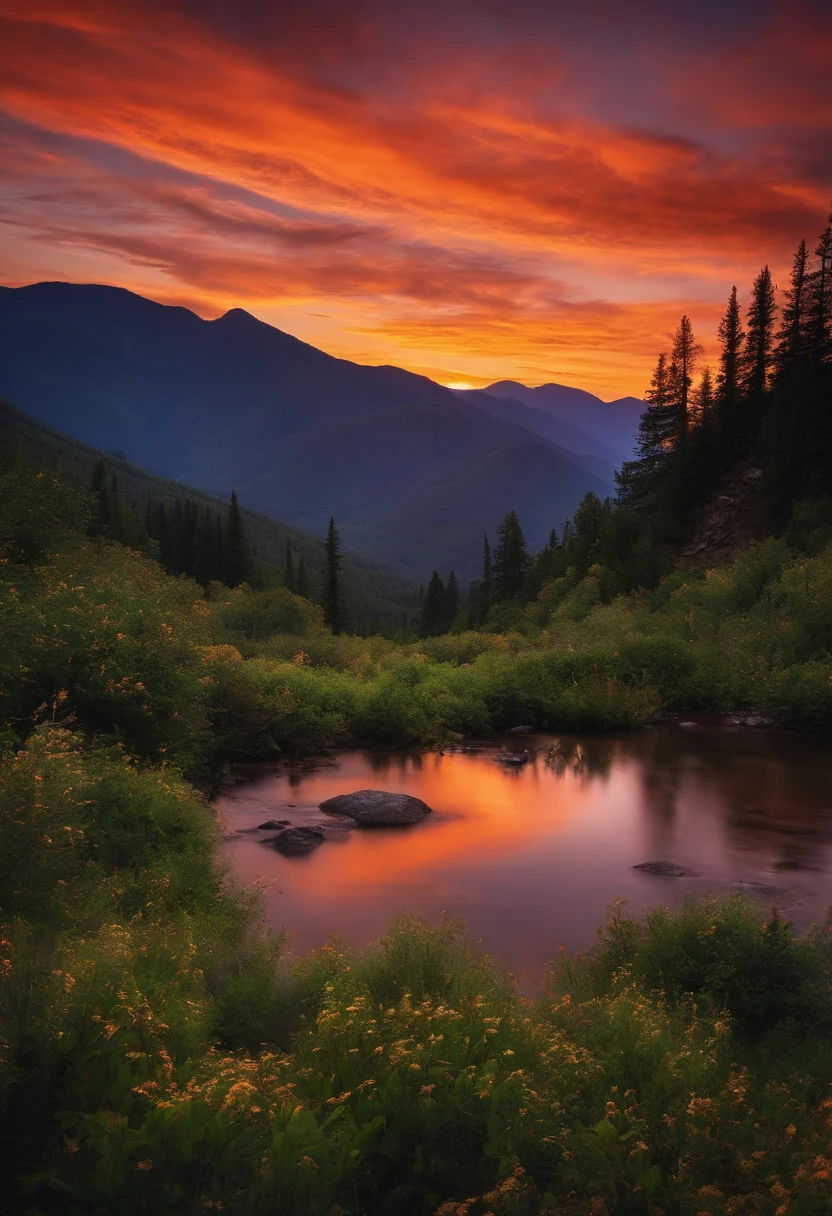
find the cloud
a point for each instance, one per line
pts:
(482, 180)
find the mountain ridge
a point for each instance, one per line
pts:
(301, 434)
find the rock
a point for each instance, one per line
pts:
(688, 725)
(521, 730)
(514, 759)
(377, 808)
(755, 721)
(664, 869)
(294, 841)
(272, 823)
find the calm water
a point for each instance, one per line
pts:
(532, 858)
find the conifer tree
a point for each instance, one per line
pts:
(637, 479)
(289, 568)
(820, 300)
(237, 559)
(452, 600)
(333, 596)
(731, 337)
(704, 399)
(207, 561)
(511, 559)
(481, 592)
(683, 357)
(759, 340)
(434, 610)
(793, 344)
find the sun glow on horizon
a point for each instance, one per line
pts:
(337, 175)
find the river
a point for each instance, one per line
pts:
(532, 857)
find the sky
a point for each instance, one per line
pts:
(533, 189)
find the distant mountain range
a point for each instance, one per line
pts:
(412, 471)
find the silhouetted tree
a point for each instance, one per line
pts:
(333, 593)
(820, 300)
(511, 559)
(683, 358)
(452, 600)
(289, 567)
(793, 341)
(731, 337)
(433, 618)
(237, 559)
(704, 398)
(638, 479)
(759, 338)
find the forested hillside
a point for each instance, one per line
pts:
(409, 470)
(377, 597)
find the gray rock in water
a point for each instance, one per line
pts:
(294, 841)
(272, 823)
(664, 869)
(377, 808)
(521, 730)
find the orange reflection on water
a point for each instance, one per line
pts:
(532, 858)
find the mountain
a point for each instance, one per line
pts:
(412, 473)
(541, 422)
(374, 593)
(614, 421)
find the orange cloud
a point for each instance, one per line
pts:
(471, 209)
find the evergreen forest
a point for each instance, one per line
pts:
(162, 1052)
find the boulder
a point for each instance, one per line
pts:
(521, 730)
(377, 808)
(272, 823)
(664, 869)
(294, 841)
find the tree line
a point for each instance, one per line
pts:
(203, 543)
(766, 407)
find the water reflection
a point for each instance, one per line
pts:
(531, 854)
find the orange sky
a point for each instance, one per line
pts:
(474, 190)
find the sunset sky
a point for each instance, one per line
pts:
(528, 189)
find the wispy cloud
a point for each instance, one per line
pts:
(477, 187)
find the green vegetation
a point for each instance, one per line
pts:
(155, 508)
(158, 1050)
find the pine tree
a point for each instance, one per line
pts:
(732, 337)
(755, 371)
(820, 300)
(511, 559)
(683, 357)
(289, 568)
(237, 560)
(793, 344)
(481, 592)
(434, 610)
(452, 600)
(207, 561)
(333, 596)
(704, 398)
(638, 479)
